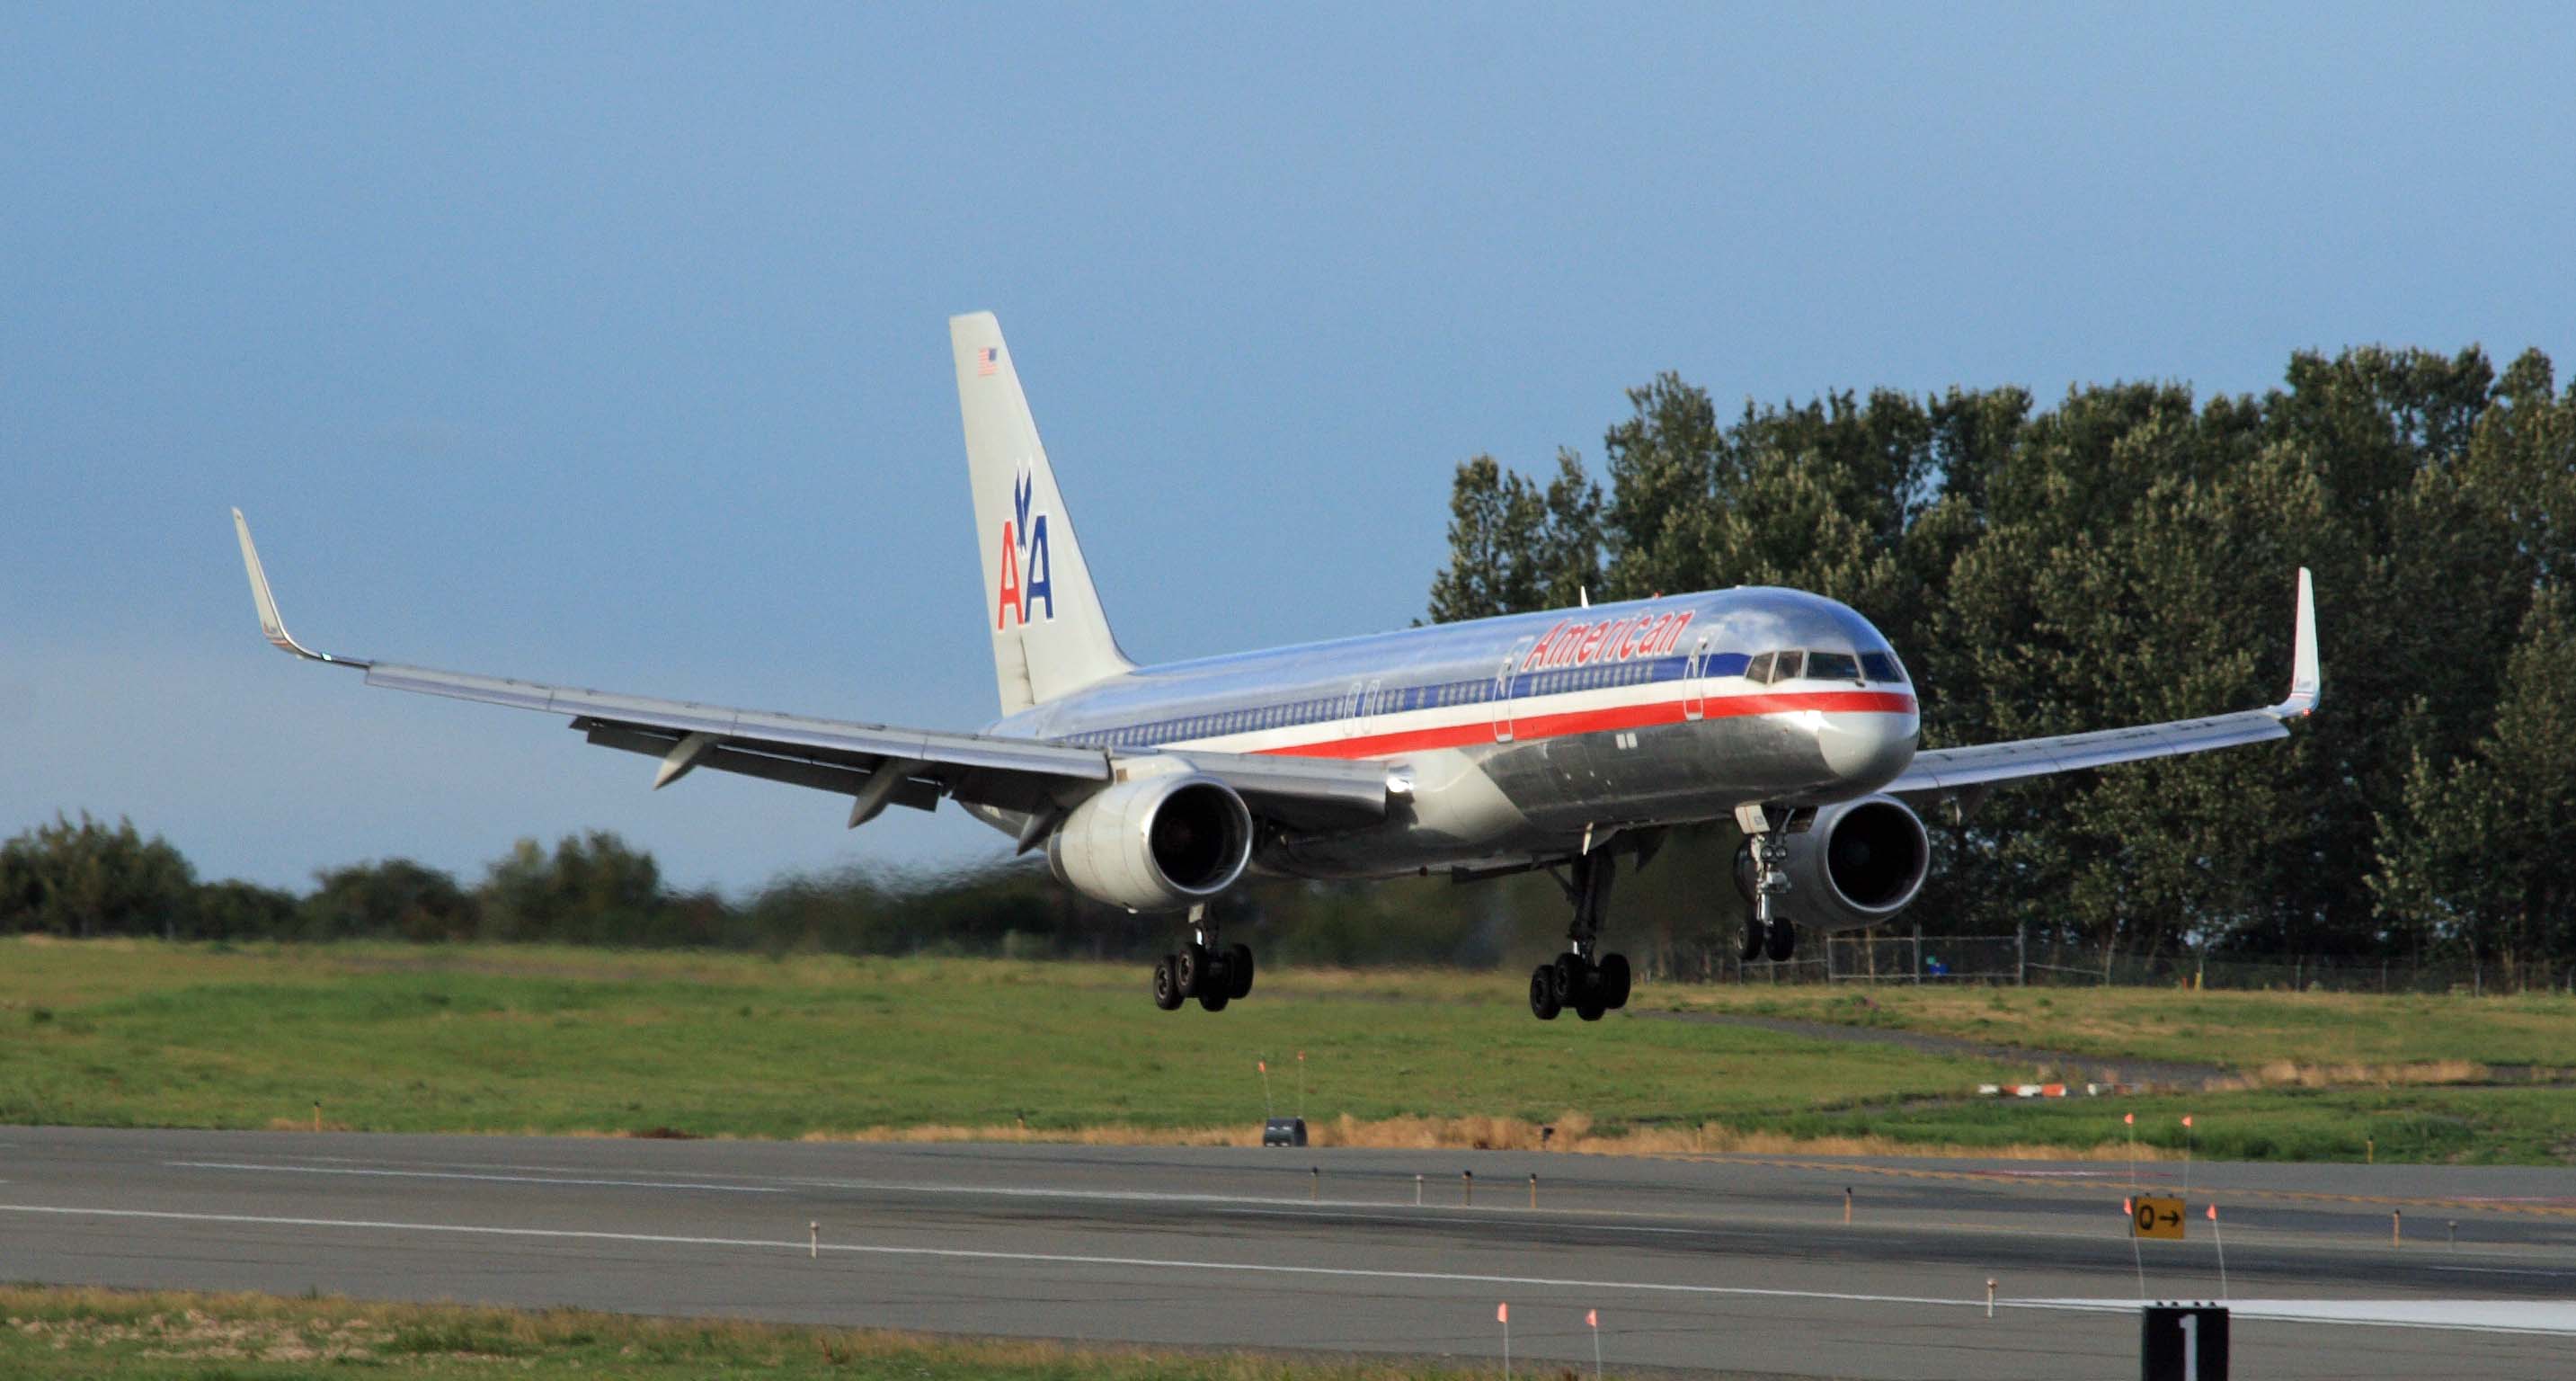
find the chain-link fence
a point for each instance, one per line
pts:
(1878, 956)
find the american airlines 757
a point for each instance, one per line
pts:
(1561, 741)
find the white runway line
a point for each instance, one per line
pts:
(465, 1175)
(2485, 1316)
(1234, 1205)
(2555, 1317)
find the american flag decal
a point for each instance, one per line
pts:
(988, 359)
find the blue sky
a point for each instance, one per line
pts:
(607, 345)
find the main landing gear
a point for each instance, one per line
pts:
(1214, 974)
(1580, 978)
(1766, 931)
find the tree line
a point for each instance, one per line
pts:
(2127, 555)
(83, 877)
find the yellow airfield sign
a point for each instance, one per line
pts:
(2157, 1218)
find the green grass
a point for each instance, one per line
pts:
(2235, 1030)
(104, 1335)
(560, 1040)
(563, 1040)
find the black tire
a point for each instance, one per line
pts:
(1783, 943)
(1238, 967)
(1543, 1000)
(1589, 1011)
(1614, 981)
(1190, 966)
(1167, 987)
(1214, 1001)
(1570, 975)
(1753, 939)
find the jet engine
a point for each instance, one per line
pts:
(1857, 863)
(1160, 844)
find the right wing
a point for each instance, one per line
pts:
(1940, 771)
(876, 764)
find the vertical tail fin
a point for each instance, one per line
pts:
(1049, 634)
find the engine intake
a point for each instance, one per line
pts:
(1857, 864)
(1159, 844)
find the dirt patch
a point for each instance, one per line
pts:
(2050, 1066)
(1572, 1131)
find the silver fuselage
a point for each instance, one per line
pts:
(1510, 738)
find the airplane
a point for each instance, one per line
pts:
(1559, 741)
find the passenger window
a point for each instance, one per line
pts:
(1788, 666)
(1832, 666)
(1759, 670)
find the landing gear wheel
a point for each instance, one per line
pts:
(1782, 945)
(1544, 1002)
(1190, 966)
(1214, 999)
(1614, 981)
(1238, 970)
(1167, 986)
(1589, 1011)
(1569, 974)
(1754, 939)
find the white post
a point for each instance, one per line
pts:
(814, 1240)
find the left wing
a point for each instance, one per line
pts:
(875, 764)
(1941, 770)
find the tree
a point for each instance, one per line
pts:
(1514, 546)
(392, 899)
(84, 879)
(593, 889)
(2483, 855)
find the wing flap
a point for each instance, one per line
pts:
(738, 728)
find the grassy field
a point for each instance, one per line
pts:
(106, 1335)
(395, 1038)
(2237, 1030)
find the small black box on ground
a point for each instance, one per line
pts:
(1284, 1131)
(2183, 1342)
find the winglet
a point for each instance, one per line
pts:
(270, 625)
(2307, 681)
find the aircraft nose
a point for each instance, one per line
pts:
(1868, 750)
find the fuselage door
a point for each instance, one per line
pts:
(1502, 691)
(1694, 684)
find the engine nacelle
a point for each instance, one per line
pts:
(1857, 864)
(1160, 844)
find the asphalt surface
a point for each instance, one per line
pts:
(1725, 1264)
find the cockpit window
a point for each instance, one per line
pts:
(1789, 666)
(1879, 666)
(1758, 670)
(1832, 666)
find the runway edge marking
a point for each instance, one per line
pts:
(1131, 1262)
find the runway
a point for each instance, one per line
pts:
(1720, 1264)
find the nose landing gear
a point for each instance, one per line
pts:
(1764, 876)
(1589, 982)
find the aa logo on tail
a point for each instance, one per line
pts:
(1025, 566)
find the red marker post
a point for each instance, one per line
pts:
(1592, 1320)
(1503, 1316)
(2221, 1239)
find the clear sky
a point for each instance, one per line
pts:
(607, 345)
